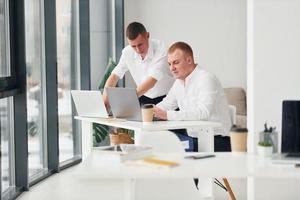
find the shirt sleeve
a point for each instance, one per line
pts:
(159, 68)
(170, 101)
(121, 68)
(203, 103)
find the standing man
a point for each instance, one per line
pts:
(146, 60)
(199, 96)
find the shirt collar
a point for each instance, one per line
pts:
(190, 77)
(149, 55)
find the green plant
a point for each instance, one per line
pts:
(265, 137)
(265, 143)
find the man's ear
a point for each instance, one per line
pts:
(148, 35)
(189, 60)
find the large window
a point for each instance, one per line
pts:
(6, 107)
(66, 76)
(39, 62)
(37, 159)
(7, 148)
(4, 69)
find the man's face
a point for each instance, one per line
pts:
(179, 64)
(140, 44)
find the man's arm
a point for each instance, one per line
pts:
(111, 82)
(145, 86)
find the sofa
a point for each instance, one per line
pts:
(237, 97)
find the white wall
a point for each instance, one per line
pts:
(273, 62)
(276, 62)
(216, 30)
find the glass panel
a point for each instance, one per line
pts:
(7, 150)
(66, 67)
(4, 67)
(35, 88)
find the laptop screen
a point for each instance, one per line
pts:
(290, 127)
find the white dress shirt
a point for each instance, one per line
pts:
(200, 97)
(154, 65)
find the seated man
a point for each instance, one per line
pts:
(146, 60)
(199, 96)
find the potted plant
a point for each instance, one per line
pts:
(121, 136)
(265, 145)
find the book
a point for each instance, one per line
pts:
(124, 152)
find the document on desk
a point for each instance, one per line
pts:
(154, 162)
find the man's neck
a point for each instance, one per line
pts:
(192, 68)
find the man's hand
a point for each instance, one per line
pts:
(160, 113)
(111, 82)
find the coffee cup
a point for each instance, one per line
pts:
(147, 112)
(238, 139)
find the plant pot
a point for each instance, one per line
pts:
(120, 138)
(264, 151)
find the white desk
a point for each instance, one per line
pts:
(205, 142)
(227, 164)
(230, 165)
(205, 139)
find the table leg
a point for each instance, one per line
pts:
(206, 144)
(229, 189)
(129, 189)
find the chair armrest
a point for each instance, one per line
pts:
(232, 111)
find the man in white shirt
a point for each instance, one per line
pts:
(199, 96)
(146, 60)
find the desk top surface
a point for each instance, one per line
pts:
(230, 165)
(150, 126)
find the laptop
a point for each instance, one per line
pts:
(89, 103)
(290, 142)
(124, 103)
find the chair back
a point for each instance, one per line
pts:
(162, 142)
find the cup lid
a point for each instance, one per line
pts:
(239, 129)
(147, 106)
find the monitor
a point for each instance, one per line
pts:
(291, 127)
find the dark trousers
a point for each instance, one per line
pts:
(146, 100)
(221, 143)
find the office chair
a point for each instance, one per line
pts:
(165, 189)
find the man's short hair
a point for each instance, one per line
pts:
(182, 46)
(134, 29)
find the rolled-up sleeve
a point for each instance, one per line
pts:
(170, 101)
(121, 68)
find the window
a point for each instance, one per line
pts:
(35, 78)
(7, 148)
(66, 76)
(4, 69)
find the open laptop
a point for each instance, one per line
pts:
(124, 103)
(290, 142)
(89, 103)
